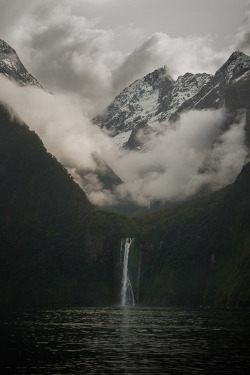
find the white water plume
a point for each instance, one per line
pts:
(127, 294)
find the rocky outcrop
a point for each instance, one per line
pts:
(12, 68)
(157, 98)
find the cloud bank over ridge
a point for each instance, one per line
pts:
(70, 53)
(177, 163)
(76, 59)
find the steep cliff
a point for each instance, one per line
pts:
(48, 253)
(197, 253)
(55, 248)
(156, 98)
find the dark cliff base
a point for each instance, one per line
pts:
(199, 252)
(55, 248)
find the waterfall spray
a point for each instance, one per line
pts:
(138, 276)
(127, 294)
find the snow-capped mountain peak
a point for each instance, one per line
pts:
(157, 98)
(237, 64)
(136, 103)
(12, 67)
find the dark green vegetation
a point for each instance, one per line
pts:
(203, 250)
(203, 246)
(237, 97)
(47, 253)
(56, 248)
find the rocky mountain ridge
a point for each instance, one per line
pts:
(12, 67)
(57, 249)
(147, 104)
(157, 98)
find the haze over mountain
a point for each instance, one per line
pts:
(56, 248)
(185, 112)
(124, 186)
(188, 134)
(157, 98)
(47, 252)
(68, 133)
(86, 52)
(12, 68)
(93, 49)
(204, 148)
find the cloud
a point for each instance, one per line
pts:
(75, 58)
(98, 1)
(66, 133)
(243, 35)
(192, 154)
(59, 122)
(67, 52)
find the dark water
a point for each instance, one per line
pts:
(127, 341)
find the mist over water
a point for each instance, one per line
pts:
(126, 340)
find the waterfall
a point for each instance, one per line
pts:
(138, 276)
(127, 294)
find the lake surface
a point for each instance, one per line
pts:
(125, 340)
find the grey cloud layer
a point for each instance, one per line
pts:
(70, 53)
(74, 57)
(168, 170)
(243, 35)
(171, 167)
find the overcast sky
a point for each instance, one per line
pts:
(177, 18)
(86, 51)
(133, 20)
(94, 48)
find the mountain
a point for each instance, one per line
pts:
(212, 94)
(157, 98)
(40, 211)
(12, 67)
(197, 253)
(56, 248)
(237, 98)
(48, 254)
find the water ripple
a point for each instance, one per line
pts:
(127, 341)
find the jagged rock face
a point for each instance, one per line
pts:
(185, 88)
(136, 104)
(157, 98)
(237, 97)
(212, 94)
(12, 67)
(148, 101)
